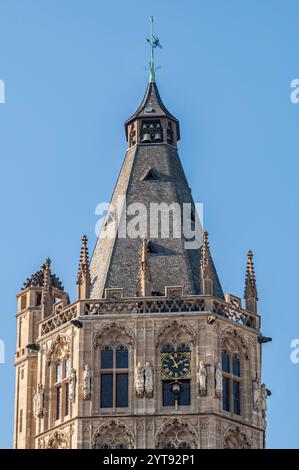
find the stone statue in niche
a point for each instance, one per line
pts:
(87, 378)
(218, 380)
(72, 385)
(38, 404)
(139, 380)
(256, 385)
(149, 380)
(265, 393)
(202, 374)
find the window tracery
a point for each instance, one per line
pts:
(113, 435)
(176, 433)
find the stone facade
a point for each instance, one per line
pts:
(141, 300)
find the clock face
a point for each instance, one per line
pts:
(175, 365)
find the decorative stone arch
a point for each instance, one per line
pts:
(175, 332)
(234, 342)
(113, 333)
(176, 431)
(235, 438)
(57, 440)
(60, 348)
(112, 435)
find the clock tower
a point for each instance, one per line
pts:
(151, 353)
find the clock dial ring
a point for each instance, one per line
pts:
(175, 365)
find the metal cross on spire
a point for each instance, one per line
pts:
(154, 43)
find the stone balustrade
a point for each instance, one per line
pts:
(149, 305)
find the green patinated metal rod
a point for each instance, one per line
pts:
(152, 64)
(154, 42)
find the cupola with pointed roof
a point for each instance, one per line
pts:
(152, 123)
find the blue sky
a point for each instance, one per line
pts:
(74, 72)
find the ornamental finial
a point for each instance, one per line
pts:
(83, 277)
(250, 281)
(206, 266)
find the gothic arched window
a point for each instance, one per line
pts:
(183, 347)
(176, 433)
(113, 435)
(168, 348)
(184, 445)
(181, 445)
(61, 385)
(169, 445)
(112, 446)
(114, 377)
(231, 372)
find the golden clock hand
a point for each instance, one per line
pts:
(181, 362)
(174, 362)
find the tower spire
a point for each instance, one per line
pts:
(83, 277)
(154, 43)
(206, 267)
(250, 293)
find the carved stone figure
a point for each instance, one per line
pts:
(87, 378)
(264, 396)
(235, 438)
(149, 380)
(139, 380)
(218, 381)
(72, 384)
(38, 404)
(265, 393)
(202, 378)
(256, 384)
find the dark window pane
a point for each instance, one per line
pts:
(169, 445)
(58, 376)
(120, 446)
(183, 347)
(225, 362)
(168, 396)
(121, 357)
(121, 390)
(107, 358)
(225, 394)
(67, 399)
(236, 398)
(184, 445)
(58, 402)
(236, 366)
(105, 446)
(38, 299)
(184, 397)
(168, 348)
(67, 367)
(106, 391)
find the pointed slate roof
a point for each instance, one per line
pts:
(115, 260)
(38, 279)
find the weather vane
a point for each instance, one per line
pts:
(154, 43)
